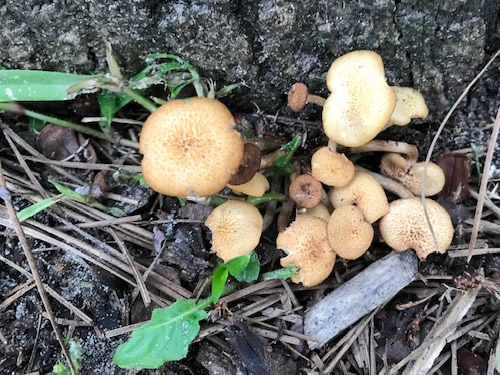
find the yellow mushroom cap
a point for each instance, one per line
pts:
(361, 102)
(366, 193)
(306, 243)
(396, 167)
(331, 168)
(190, 146)
(409, 104)
(256, 187)
(405, 227)
(348, 232)
(236, 228)
(320, 210)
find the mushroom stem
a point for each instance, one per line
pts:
(268, 160)
(409, 150)
(332, 146)
(316, 99)
(266, 143)
(388, 184)
(271, 206)
(287, 206)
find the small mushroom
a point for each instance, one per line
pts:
(256, 187)
(405, 227)
(332, 168)
(320, 210)
(348, 232)
(366, 193)
(236, 228)
(305, 191)
(299, 96)
(190, 147)
(249, 165)
(410, 175)
(361, 102)
(306, 244)
(410, 104)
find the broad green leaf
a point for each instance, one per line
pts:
(282, 273)
(166, 337)
(237, 265)
(35, 208)
(109, 104)
(37, 85)
(251, 272)
(218, 282)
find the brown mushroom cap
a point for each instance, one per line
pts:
(366, 193)
(410, 176)
(331, 168)
(256, 187)
(320, 210)
(306, 243)
(297, 97)
(361, 102)
(236, 228)
(250, 164)
(190, 146)
(306, 191)
(409, 104)
(405, 227)
(348, 232)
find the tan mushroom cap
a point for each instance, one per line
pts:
(396, 167)
(305, 191)
(348, 232)
(256, 187)
(405, 227)
(306, 243)
(366, 193)
(320, 210)
(236, 228)
(331, 168)
(190, 146)
(361, 102)
(297, 97)
(409, 104)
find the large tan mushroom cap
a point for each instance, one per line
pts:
(236, 228)
(361, 102)
(331, 168)
(396, 167)
(405, 227)
(348, 232)
(410, 104)
(306, 243)
(366, 193)
(256, 187)
(190, 147)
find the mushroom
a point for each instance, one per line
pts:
(190, 147)
(249, 165)
(236, 228)
(366, 193)
(256, 187)
(320, 210)
(299, 96)
(348, 232)
(361, 102)
(405, 227)
(332, 168)
(409, 104)
(306, 244)
(305, 191)
(410, 175)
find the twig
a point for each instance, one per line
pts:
(34, 270)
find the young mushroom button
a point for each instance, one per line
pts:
(332, 168)
(306, 191)
(190, 147)
(409, 104)
(236, 228)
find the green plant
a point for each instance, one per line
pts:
(75, 352)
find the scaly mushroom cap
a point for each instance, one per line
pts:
(405, 227)
(236, 228)
(306, 243)
(331, 168)
(256, 187)
(306, 191)
(366, 193)
(396, 167)
(190, 146)
(348, 232)
(361, 102)
(409, 104)
(320, 210)
(297, 97)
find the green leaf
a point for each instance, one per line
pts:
(268, 197)
(166, 337)
(227, 90)
(176, 90)
(109, 104)
(37, 85)
(218, 282)
(67, 192)
(282, 273)
(60, 369)
(237, 265)
(216, 200)
(251, 272)
(283, 164)
(35, 125)
(35, 208)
